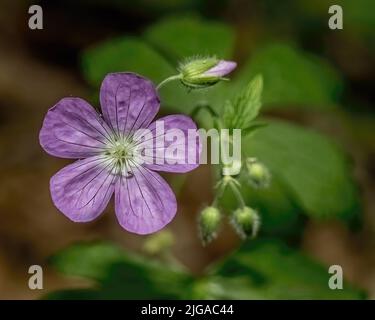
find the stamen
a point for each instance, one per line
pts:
(121, 153)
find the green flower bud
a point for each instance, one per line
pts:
(246, 222)
(204, 72)
(258, 173)
(209, 221)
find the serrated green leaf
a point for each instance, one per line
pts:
(245, 107)
(311, 167)
(268, 269)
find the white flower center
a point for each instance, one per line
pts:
(120, 156)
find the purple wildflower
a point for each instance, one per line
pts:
(144, 203)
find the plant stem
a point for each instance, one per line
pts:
(238, 194)
(219, 193)
(172, 78)
(207, 107)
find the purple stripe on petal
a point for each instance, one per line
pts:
(81, 191)
(144, 203)
(176, 150)
(73, 129)
(128, 101)
(221, 69)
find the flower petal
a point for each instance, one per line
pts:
(128, 101)
(221, 69)
(81, 191)
(144, 203)
(173, 150)
(73, 129)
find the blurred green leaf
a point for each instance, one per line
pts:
(359, 15)
(239, 112)
(311, 167)
(74, 294)
(279, 213)
(268, 269)
(182, 37)
(119, 275)
(124, 55)
(134, 55)
(261, 269)
(292, 78)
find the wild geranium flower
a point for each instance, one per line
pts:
(109, 164)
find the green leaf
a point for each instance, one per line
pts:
(245, 107)
(261, 269)
(312, 168)
(292, 78)
(121, 55)
(118, 274)
(182, 37)
(268, 269)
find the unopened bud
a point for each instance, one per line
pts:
(204, 72)
(209, 221)
(258, 173)
(246, 221)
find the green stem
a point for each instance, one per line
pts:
(238, 194)
(207, 107)
(172, 78)
(219, 193)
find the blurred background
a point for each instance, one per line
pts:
(320, 147)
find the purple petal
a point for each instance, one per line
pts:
(144, 203)
(221, 69)
(81, 191)
(173, 155)
(128, 101)
(73, 129)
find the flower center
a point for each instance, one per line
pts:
(120, 153)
